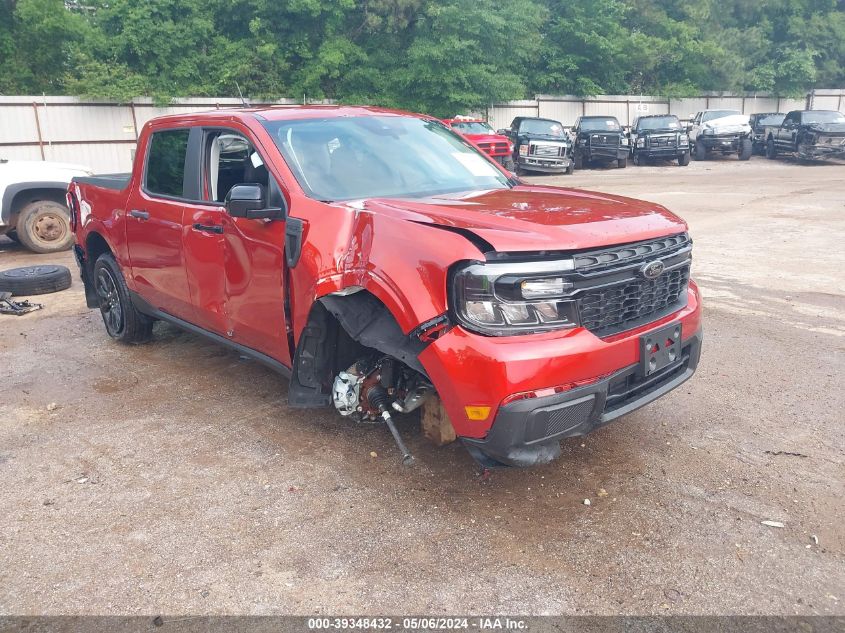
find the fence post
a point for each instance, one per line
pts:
(38, 128)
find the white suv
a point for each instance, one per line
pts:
(32, 203)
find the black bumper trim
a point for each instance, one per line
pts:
(528, 432)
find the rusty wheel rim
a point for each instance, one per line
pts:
(50, 227)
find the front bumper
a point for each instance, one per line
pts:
(471, 370)
(821, 151)
(662, 152)
(528, 432)
(599, 153)
(723, 142)
(550, 165)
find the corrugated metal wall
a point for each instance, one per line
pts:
(97, 134)
(626, 108)
(101, 134)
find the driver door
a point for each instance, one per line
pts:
(236, 266)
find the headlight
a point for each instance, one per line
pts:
(683, 139)
(641, 141)
(502, 299)
(624, 140)
(523, 150)
(510, 147)
(709, 131)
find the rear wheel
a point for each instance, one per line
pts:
(622, 163)
(123, 322)
(683, 159)
(771, 151)
(570, 169)
(578, 160)
(746, 148)
(700, 152)
(44, 227)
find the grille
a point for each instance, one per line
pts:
(605, 139)
(604, 311)
(565, 418)
(662, 141)
(494, 148)
(595, 261)
(546, 150)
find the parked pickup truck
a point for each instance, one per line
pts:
(599, 139)
(32, 203)
(379, 260)
(808, 134)
(540, 145)
(497, 146)
(720, 131)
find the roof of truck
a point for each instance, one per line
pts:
(282, 112)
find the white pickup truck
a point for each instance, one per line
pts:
(32, 203)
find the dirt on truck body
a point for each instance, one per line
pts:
(382, 262)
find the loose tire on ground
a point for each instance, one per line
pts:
(700, 152)
(44, 227)
(123, 322)
(746, 148)
(683, 159)
(35, 280)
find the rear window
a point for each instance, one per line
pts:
(166, 162)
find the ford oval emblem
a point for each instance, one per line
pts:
(652, 270)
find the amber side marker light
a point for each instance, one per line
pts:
(477, 413)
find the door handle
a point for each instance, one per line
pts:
(141, 215)
(209, 228)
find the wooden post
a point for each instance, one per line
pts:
(38, 127)
(436, 426)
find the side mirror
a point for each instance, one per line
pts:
(250, 201)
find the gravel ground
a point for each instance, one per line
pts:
(173, 478)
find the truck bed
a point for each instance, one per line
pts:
(116, 182)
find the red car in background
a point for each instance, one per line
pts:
(498, 147)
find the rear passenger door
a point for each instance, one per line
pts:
(786, 133)
(154, 223)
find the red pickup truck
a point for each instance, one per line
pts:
(498, 146)
(379, 259)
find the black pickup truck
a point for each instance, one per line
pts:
(808, 134)
(599, 139)
(759, 122)
(539, 145)
(659, 136)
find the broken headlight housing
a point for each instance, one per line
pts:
(503, 299)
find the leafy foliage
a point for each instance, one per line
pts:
(438, 56)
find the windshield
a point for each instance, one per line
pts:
(824, 116)
(541, 126)
(659, 123)
(718, 114)
(473, 127)
(771, 119)
(380, 156)
(604, 124)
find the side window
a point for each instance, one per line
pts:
(165, 173)
(791, 119)
(232, 160)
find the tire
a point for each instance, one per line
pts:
(508, 164)
(621, 163)
(700, 152)
(35, 280)
(44, 227)
(578, 160)
(570, 169)
(771, 150)
(745, 149)
(637, 160)
(683, 159)
(122, 320)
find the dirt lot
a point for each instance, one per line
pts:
(172, 478)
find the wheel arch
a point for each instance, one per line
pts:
(17, 196)
(95, 245)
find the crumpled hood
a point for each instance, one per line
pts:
(732, 120)
(528, 218)
(831, 128)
